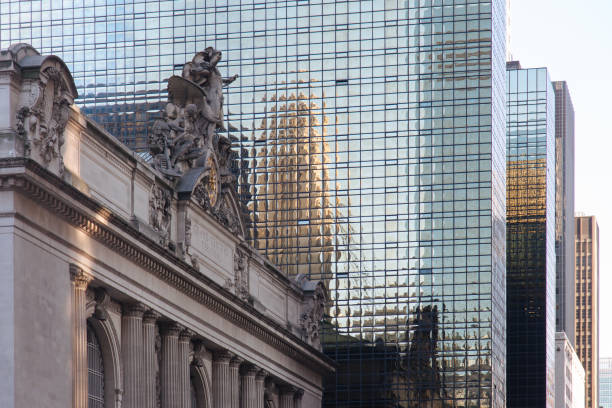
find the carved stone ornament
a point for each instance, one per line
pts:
(159, 212)
(313, 309)
(186, 135)
(185, 144)
(44, 109)
(241, 274)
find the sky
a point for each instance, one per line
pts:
(573, 38)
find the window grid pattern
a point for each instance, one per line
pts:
(587, 303)
(95, 371)
(605, 382)
(374, 133)
(531, 257)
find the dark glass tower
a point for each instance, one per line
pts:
(564, 173)
(375, 136)
(530, 238)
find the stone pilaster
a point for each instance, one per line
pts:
(286, 396)
(149, 371)
(235, 381)
(170, 366)
(260, 380)
(184, 342)
(132, 355)
(248, 390)
(80, 280)
(222, 390)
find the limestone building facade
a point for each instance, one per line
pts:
(130, 284)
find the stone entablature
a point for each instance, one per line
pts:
(137, 234)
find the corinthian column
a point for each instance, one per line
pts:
(298, 398)
(260, 379)
(132, 355)
(170, 366)
(149, 366)
(184, 383)
(286, 396)
(234, 367)
(80, 280)
(222, 390)
(248, 391)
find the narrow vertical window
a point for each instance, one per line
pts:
(95, 371)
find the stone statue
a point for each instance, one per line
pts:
(187, 131)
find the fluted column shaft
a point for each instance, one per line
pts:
(222, 390)
(170, 366)
(149, 359)
(248, 390)
(183, 369)
(132, 355)
(260, 379)
(286, 396)
(235, 381)
(80, 280)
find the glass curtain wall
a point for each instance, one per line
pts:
(531, 258)
(374, 132)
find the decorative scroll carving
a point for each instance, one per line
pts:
(103, 301)
(159, 212)
(313, 309)
(241, 274)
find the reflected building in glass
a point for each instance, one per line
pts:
(375, 132)
(531, 261)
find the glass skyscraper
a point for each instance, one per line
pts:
(566, 272)
(531, 261)
(605, 382)
(375, 132)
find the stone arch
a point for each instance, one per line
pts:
(109, 343)
(202, 384)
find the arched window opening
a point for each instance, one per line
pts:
(95, 371)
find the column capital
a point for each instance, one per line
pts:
(222, 356)
(286, 389)
(150, 317)
(171, 329)
(79, 277)
(299, 393)
(186, 335)
(249, 370)
(135, 309)
(261, 375)
(236, 361)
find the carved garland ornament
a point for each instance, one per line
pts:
(241, 274)
(159, 212)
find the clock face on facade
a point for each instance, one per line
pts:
(213, 181)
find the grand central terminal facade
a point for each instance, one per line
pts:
(130, 283)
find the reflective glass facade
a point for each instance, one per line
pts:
(531, 261)
(605, 382)
(375, 133)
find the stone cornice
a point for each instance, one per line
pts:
(31, 179)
